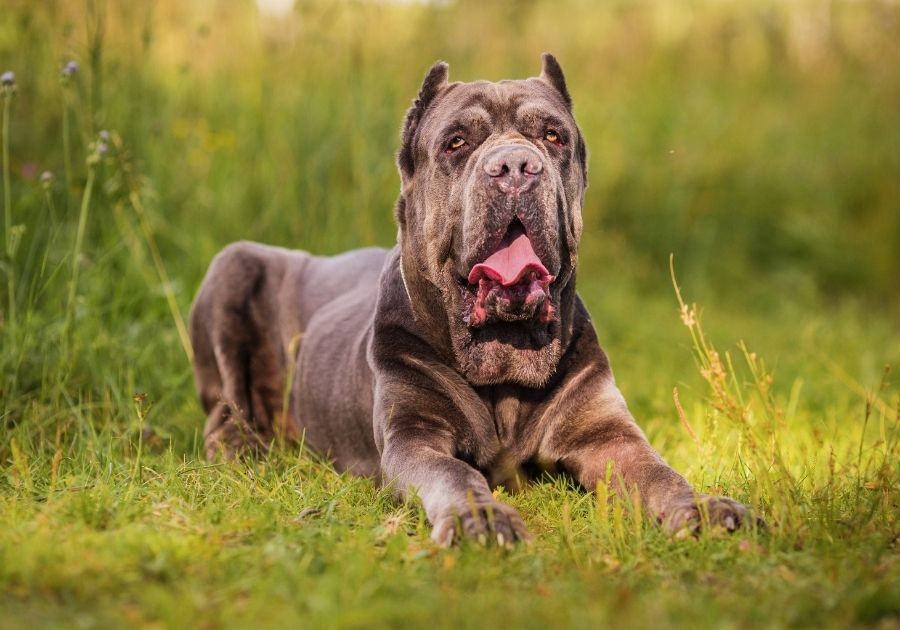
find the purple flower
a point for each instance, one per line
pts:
(103, 135)
(8, 78)
(102, 148)
(68, 71)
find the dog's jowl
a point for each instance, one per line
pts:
(462, 357)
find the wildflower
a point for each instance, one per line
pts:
(68, 71)
(8, 79)
(99, 148)
(46, 179)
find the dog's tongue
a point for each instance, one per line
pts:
(514, 258)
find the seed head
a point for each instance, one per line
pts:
(101, 146)
(98, 149)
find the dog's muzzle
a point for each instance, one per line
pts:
(512, 283)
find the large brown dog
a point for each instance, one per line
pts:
(462, 358)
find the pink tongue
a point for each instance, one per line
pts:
(508, 264)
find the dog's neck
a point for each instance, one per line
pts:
(426, 303)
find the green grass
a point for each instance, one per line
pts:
(759, 143)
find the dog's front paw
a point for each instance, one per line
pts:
(688, 515)
(486, 522)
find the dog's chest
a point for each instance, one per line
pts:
(511, 459)
(506, 409)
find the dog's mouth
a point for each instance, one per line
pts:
(511, 284)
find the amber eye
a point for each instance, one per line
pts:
(456, 143)
(551, 136)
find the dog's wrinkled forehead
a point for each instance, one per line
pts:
(497, 106)
(483, 108)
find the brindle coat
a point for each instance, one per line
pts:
(389, 379)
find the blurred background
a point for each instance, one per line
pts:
(758, 142)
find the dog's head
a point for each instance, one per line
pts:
(493, 178)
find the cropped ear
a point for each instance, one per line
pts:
(552, 73)
(434, 82)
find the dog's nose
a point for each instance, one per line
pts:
(513, 168)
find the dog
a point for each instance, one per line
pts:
(459, 360)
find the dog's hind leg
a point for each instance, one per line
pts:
(239, 358)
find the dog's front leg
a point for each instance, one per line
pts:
(601, 442)
(634, 465)
(456, 497)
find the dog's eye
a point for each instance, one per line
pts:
(455, 143)
(551, 136)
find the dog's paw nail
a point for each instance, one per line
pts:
(482, 539)
(683, 533)
(448, 537)
(501, 540)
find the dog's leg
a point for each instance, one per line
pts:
(600, 442)
(456, 497)
(425, 418)
(595, 439)
(239, 364)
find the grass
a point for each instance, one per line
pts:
(768, 166)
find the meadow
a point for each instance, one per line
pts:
(754, 147)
